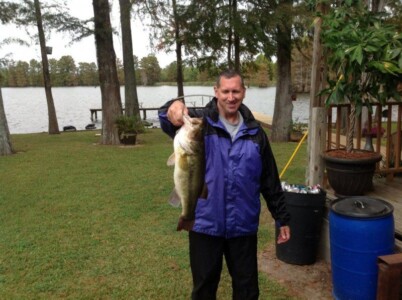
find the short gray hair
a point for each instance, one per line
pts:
(229, 73)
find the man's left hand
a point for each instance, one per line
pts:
(284, 234)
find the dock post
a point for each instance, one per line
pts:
(94, 112)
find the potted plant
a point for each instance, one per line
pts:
(128, 127)
(298, 130)
(365, 65)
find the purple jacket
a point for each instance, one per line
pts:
(236, 173)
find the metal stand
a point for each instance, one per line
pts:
(369, 143)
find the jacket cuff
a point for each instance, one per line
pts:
(279, 223)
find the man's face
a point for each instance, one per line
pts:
(230, 95)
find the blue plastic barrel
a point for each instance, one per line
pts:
(361, 229)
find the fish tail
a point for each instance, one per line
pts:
(185, 224)
(174, 199)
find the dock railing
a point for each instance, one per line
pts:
(191, 104)
(382, 129)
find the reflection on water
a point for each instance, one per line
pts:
(26, 108)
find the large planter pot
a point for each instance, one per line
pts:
(350, 176)
(296, 136)
(128, 138)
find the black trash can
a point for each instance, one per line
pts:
(306, 212)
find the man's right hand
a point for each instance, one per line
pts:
(175, 113)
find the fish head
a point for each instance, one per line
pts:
(194, 127)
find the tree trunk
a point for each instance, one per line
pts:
(377, 5)
(282, 119)
(179, 64)
(316, 136)
(230, 33)
(6, 147)
(237, 52)
(130, 87)
(53, 125)
(109, 82)
(236, 41)
(317, 75)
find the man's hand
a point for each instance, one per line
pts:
(175, 113)
(284, 234)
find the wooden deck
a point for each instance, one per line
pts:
(390, 191)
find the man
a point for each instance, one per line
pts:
(239, 166)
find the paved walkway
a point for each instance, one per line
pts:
(265, 120)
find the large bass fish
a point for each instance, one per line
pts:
(189, 169)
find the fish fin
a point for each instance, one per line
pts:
(184, 224)
(174, 199)
(171, 160)
(204, 192)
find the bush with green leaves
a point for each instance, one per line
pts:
(364, 57)
(129, 124)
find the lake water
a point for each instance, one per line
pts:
(26, 108)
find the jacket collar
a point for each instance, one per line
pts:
(248, 117)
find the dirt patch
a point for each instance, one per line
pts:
(309, 282)
(355, 154)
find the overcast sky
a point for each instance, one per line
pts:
(83, 51)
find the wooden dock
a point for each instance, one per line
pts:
(94, 111)
(264, 120)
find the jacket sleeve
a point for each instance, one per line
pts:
(166, 126)
(271, 187)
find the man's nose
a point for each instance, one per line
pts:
(231, 96)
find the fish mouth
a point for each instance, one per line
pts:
(193, 121)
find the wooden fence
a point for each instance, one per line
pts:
(383, 126)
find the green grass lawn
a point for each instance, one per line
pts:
(79, 220)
